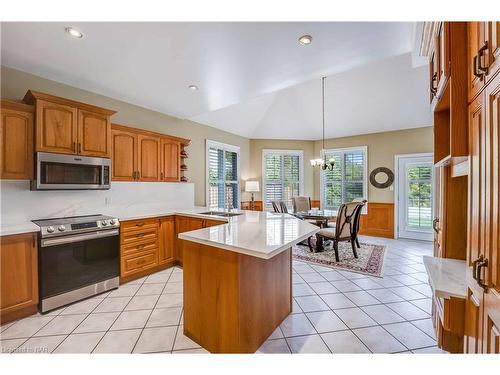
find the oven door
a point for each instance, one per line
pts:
(76, 261)
(71, 172)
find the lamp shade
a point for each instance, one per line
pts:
(252, 186)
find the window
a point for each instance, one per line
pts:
(223, 175)
(347, 180)
(282, 174)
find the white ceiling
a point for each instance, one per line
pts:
(255, 79)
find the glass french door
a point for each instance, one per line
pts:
(415, 197)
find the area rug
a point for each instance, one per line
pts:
(370, 259)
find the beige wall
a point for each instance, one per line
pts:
(15, 83)
(381, 150)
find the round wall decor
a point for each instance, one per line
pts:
(389, 177)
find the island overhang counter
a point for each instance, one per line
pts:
(238, 279)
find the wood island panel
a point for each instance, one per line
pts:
(234, 302)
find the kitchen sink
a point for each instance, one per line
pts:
(218, 213)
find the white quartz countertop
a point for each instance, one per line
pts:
(254, 233)
(446, 276)
(18, 228)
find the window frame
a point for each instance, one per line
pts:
(265, 152)
(343, 150)
(225, 147)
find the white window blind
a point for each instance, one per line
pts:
(282, 172)
(348, 179)
(222, 175)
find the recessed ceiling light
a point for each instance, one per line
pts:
(193, 87)
(74, 32)
(305, 40)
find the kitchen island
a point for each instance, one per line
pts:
(238, 279)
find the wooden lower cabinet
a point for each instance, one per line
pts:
(187, 224)
(184, 224)
(167, 240)
(18, 276)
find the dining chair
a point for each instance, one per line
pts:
(357, 220)
(343, 228)
(301, 204)
(279, 207)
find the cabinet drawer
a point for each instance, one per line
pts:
(133, 264)
(139, 247)
(134, 225)
(139, 236)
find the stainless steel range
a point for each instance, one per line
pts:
(78, 258)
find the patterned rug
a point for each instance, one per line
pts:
(370, 259)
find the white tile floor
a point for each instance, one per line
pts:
(333, 312)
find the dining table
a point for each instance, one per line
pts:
(321, 218)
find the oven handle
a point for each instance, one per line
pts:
(78, 238)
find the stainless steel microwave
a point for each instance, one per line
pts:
(71, 172)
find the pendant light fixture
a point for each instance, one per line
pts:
(322, 162)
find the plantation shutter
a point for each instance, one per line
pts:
(223, 186)
(347, 180)
(282, 173)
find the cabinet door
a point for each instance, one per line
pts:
(16, 144)
(491, 273)
(493, 49)
(443, 51)
(148, 157)
(167, 240)
(94, 134)
(185, 224)
(56, 128)
(170, 157)
(19, 273)
(477, 38)
(124, 155)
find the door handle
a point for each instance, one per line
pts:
(161, 176)
(480, 55)
(79, 147)
(474, 66)
(434, 79)
(480, 266)
(474, 266)
(74, 147)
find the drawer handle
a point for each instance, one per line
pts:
(139, 224)
(142, 261)
(140, 247)
(141, 234)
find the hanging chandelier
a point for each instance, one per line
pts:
(322, 162)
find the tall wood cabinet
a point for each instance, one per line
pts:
(16, 140)
(482, 323)
(140, 155)
(69, 127)
(445, 43)
(18, 276)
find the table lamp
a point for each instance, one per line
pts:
(252, 187)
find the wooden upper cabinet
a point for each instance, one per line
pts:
(124, 155)
(476, 54)
(16, 141)
(56, 128)
(19, 274)
(170, 160)
(148, 157)
(69, 127)
(94, 134)
(493, 57)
